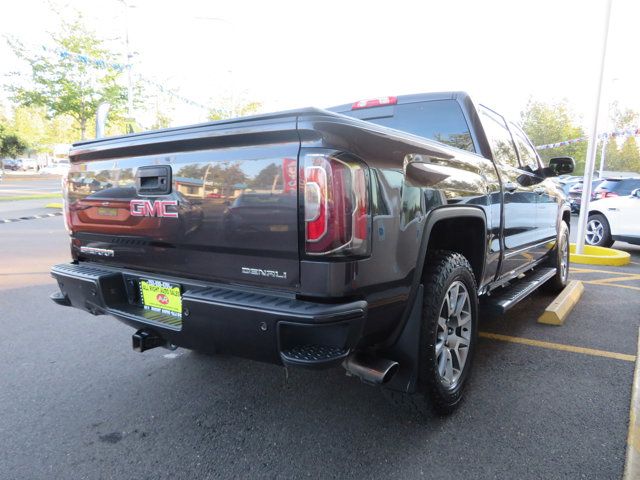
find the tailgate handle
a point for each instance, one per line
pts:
(154, 180)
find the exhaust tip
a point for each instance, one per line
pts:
(371, 370)
(391, 371)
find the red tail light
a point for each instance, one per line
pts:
(374, 102)
(336, 206)
(604, 194)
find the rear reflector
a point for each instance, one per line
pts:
(374, 102)
(336, 206)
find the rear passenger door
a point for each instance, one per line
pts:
(520, 227)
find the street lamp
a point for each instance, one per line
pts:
(593, 144)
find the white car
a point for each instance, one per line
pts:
(614, 218)
(59, 168)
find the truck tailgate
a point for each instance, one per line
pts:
(228, 211)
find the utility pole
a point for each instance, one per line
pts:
(129, 67)
(593, 143)
(603, 153)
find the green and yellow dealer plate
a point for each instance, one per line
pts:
(162, 297)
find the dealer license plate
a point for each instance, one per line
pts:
(161, 297)
(107, 212)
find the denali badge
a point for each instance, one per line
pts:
(148, 208)
(102, 252)
(258, 272)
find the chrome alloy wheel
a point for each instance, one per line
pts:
(453, 334)
(595, 232)
(564, 257)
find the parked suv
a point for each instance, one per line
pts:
(615, 187)
(614, 218)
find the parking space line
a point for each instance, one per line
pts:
(595, 282)
(594, 270)
(632, 462)
(558, 346)
(617, 279)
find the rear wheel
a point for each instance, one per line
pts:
(448, 335)
(598, 231)
(560, 261)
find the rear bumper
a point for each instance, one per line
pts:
(274, 327)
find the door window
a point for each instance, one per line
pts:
(499, 138)
(528, 156)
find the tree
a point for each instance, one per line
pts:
(265, 177)
(40, 132)
(75, 79)
(11, 145)
(622, 119)
(228, 108)
(624, 158)
(629, 156)
(547, 123)
(162, 120)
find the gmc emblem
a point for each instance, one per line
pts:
(148, 208)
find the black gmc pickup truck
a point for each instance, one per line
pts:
(363, 236)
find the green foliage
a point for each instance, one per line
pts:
(40, 132)
(161, 121)
(622, 119)
(625, 158)
(225, 108)
(546, 123)
(11, 145)
(66, 86)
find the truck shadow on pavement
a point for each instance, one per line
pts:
(78, 391)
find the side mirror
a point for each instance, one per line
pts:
(560, 166)
(636, 193)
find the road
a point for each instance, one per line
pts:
(15, 185)
(77, 402)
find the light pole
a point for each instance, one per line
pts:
(593, 144)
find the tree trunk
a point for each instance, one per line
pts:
(83, 128)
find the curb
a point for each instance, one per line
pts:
(53, 205)
(632, 460)
(599, 256)
(561, 307)
(32, 217)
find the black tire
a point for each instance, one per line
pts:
(559, 259)
(598, 238)
(435, 393)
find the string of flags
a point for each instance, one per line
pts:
(163, 89)
(631, 132)
(103, 64)
(86, 59)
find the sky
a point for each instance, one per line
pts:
(289, 54)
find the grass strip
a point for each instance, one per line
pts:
(17, 198)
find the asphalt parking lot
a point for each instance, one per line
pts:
(77, 402)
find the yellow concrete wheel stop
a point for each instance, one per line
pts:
(560, 308)
(599, 256)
